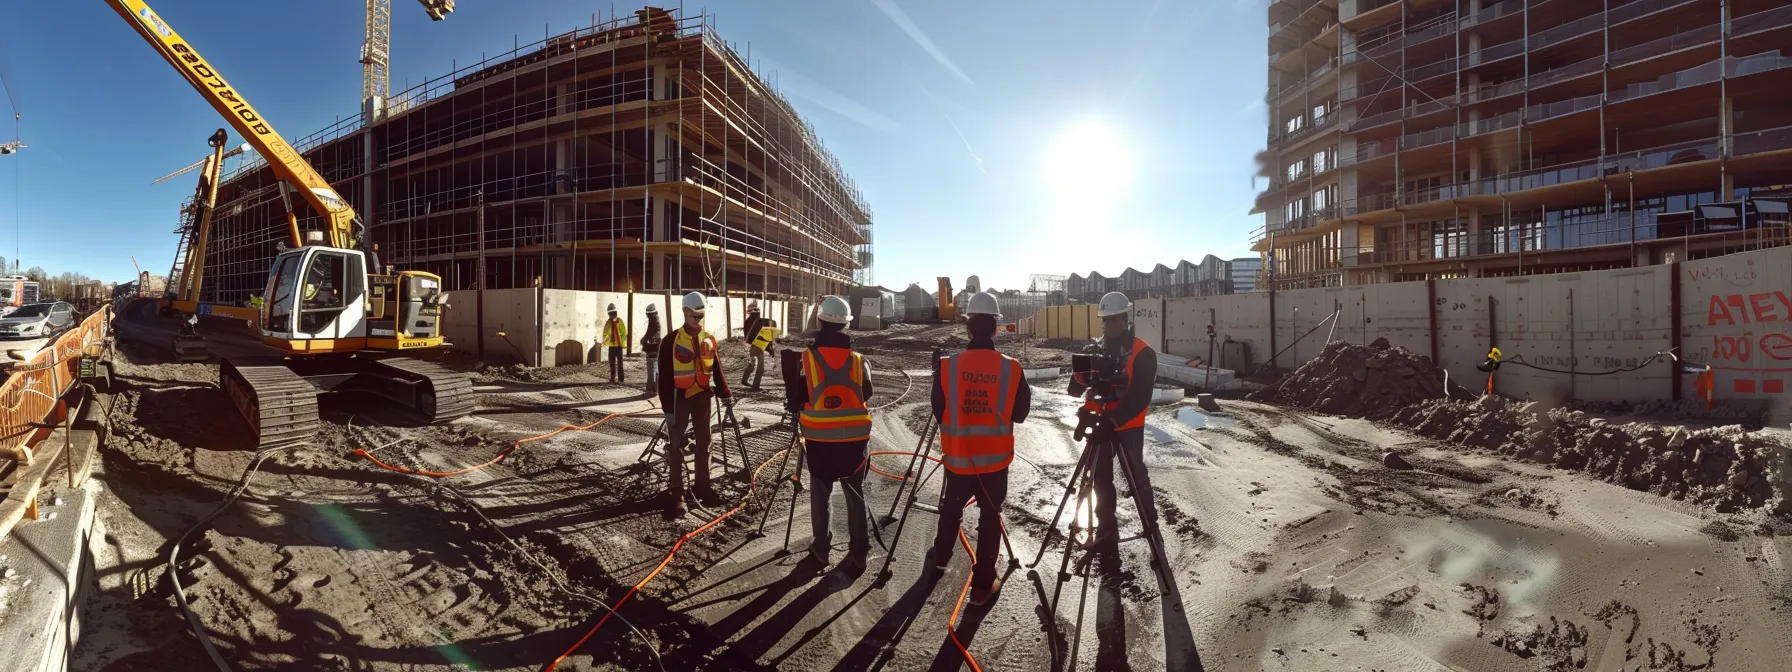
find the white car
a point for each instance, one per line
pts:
(36, 320)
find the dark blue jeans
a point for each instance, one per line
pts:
(844, 463)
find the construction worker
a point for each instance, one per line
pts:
(650, 347)
(978, 396)
(1124, 419)
(615, 339)
(690, 376)
(836, 429)
(764, 334)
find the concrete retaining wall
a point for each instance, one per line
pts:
(1581, 330)
(571, 322)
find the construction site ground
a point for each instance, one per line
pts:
(1292, 545)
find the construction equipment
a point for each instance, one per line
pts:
(948, 310)
(376, 50)
(18, 290)
(332, 319)
(188, 271)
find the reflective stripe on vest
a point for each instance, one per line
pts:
(1134, 422)
(840, 392)
(764, 340)
(977, 425)
(692, 360)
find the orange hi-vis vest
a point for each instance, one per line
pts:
(977, 424)
(615, 333)
(1137, 421)
(692, 360)
(836, 410)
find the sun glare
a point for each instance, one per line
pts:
(1087, 169)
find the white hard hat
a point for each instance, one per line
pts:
(652, 309)
(984, 303)
(753, 307)
(834, 309)
(695, 301)
(1114, 303)
(612, 307)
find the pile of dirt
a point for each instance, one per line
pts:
(1370, 381)
(1724, 467)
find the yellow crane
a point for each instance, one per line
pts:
(332, 320)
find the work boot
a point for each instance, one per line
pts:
(982, 596)
(1104, 536)
(675, 506)
(940, 563)
(818, 554)
(854, 563)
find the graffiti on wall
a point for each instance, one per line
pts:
(1751, 330)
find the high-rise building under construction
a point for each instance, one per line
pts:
(638, 154)
(1415, 139)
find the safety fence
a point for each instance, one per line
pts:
(30, 396)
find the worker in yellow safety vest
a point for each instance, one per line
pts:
(979, 395)
(836, 426)
(615, 341)
(762, 336)
(690, 377)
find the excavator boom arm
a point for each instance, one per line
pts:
(288, 165)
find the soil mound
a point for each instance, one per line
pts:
(1371, 381)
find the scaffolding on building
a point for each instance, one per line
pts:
(638, 154)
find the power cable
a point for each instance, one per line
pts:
(180, 596)
(1519, 361)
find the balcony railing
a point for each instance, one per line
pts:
(1671, 43)
(1564, 73)
(1327, 122)
(1428, 138)
(1542, 111)
(1371, 150)
(1633, 10)
(1533, 237)
(1506, 8)
(1434, 69)
(1310, 77)
(1491, 53)
(1367, 89)
(1573, 29)
(1491, 124)
(1777, 17)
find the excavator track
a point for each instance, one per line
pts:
(279, 406)
(444, 394)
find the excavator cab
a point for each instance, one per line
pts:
(317, 299)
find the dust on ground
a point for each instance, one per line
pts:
(1290, 541)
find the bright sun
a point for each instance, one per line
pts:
(1089, 159)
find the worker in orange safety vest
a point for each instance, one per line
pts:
(829, 404)
(690, 377)
(978, 397)
(1125, 418)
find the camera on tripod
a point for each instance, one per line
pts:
(1102, 375)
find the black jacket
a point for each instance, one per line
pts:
(718, 383)
(650, 337)
(1023, 397)
(750, 329)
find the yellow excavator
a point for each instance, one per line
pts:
(332, 320)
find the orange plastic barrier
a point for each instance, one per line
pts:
(30, 397)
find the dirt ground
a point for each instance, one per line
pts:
(1292, 545)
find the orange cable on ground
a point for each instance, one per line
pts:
(751, 487)
(952, 623)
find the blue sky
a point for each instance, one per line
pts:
(998, 138)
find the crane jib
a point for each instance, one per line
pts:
(211, 79)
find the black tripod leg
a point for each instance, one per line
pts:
(773, 499)
(798, 478)
(1069, 544)
(1082, 464)
(920, 449)
(883, 574)
(1159, 563)
(647, 453)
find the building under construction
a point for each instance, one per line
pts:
(638, 154)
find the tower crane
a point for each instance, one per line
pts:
(376, 50)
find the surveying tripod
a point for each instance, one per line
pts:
(1098, 438)
(726, 421)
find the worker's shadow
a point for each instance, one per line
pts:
(1110, 620)
(949, 658)
(757, 643)
(879, 643)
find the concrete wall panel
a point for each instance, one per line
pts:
(1148, 322)
(1736, 316)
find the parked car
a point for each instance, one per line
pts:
(37, 320)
